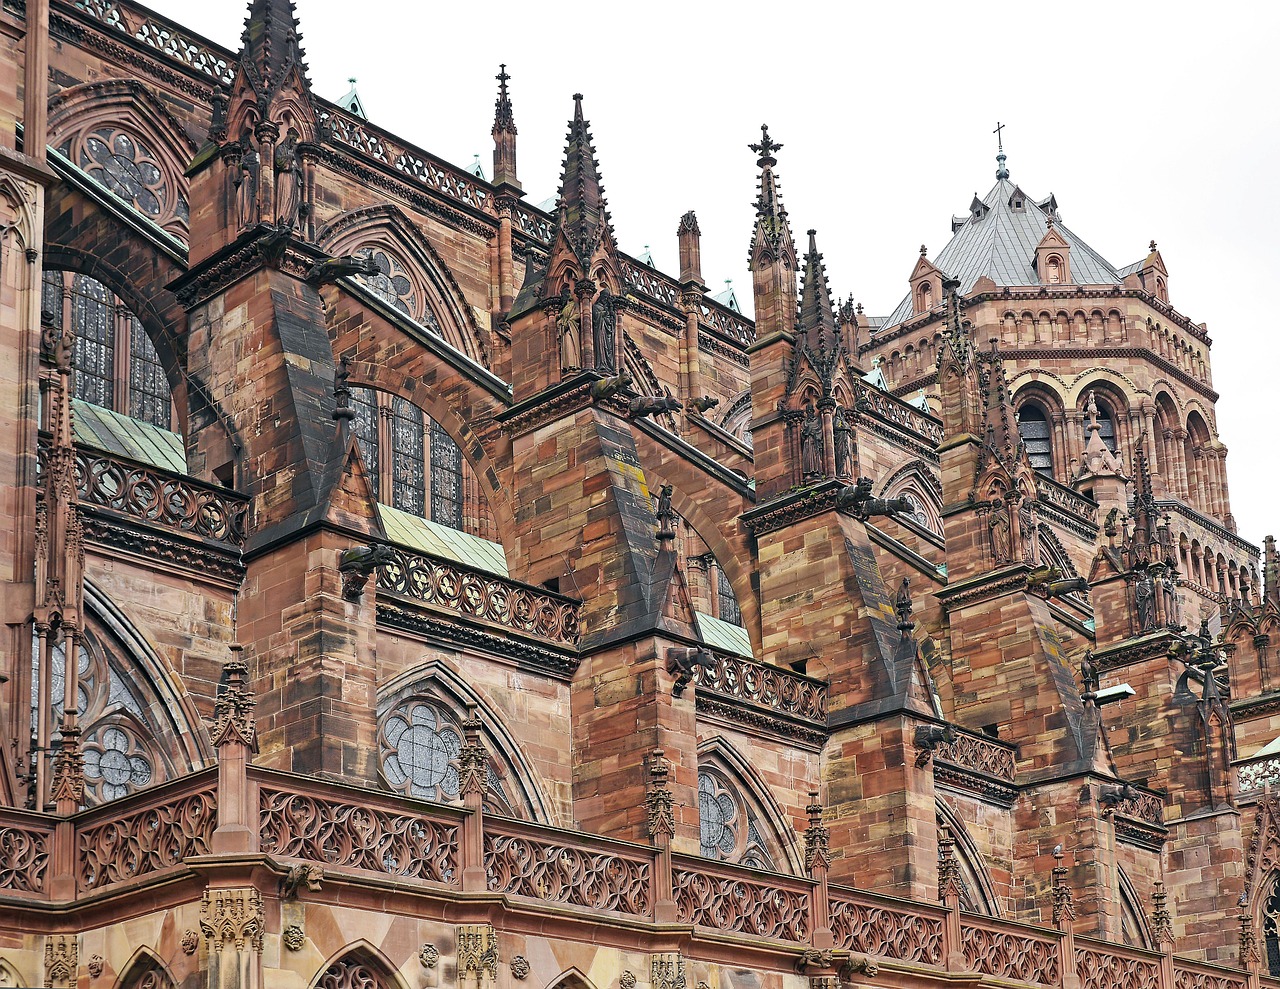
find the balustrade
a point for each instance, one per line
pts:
(779, 689)
(25, 841)
(1109, 966)
(1254, 774)
(1008, 951)
(475, 594)
(885, 929)
(979, 754)
(731, 898)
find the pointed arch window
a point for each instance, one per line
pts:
(1271, 929)
(115, 364)
(1037, 436)
(414, 465)
(727, 602)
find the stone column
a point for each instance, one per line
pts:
(235, 737)
(827, 408)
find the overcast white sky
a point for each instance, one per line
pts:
(1146, 121)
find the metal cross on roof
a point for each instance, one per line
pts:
(999, 136)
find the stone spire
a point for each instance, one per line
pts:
(504, 135)
(817, 315)
(272, 61)
(582, 212)
(772, 256)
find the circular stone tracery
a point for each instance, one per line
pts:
(717, 811)
(114, 763)
(420, 751)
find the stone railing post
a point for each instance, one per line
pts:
(817, 860)
(662, 827)
(1162, 933)
(235, 737)
(949, 888)
(1064, 915)
(473, 760)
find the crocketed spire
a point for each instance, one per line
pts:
(271, 47)
(582, 213)
(817, 316)
(772, 235)
(504, 134)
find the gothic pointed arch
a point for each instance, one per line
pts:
(17, 213)
(736, 420)
(412, 275)
(977, 891)
(10, 976)
(145, 970)
(358, 965)
(124, 138)
(1134, 930)
(918, 483)
(643, 379)
(139, 727)
(1053, 553)
(571, 978)
(420, 715)
(740, 822)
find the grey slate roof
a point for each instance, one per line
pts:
(1002, 246)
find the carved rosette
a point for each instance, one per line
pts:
(61, 959)
(666, 971)
(627, 980)
(190, 942)
(658, 798)
(477, 947)
(429, 956)
(232, 915)
(294, 937)
(95, 966)
(520, 968)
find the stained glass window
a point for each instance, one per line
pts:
(408, 461)
(365, 404)
(51, 295)
(391, 282)
(127, 167)
(149, 398)
(420, 751)
(718, 817)
(729, 610)
(446, 478)
(1033, 426)
(93, 356)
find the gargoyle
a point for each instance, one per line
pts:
(648, 405)
(1048, 582)
(858, 966)
(681, 663)
(608, 387)
(815, 960)
(331, 269)
(928, 738)
(857, 500)
(1112, 797)
(300, 876)
(358, 563)
(704, 403)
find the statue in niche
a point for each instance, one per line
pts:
(1168, 588)
(567, 328)
(247, 185)
(811, 444)
(288, 179)
(1027, 531)
(1001, 525)
(1144, 595)
(843, 433)
(604, 322)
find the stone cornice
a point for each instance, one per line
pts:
(453, 630)
(1207, 524)
(716, 344)
(759, 719)
(255, 248)
(562, 399)
(1135, 650)
(975, 590)
(159, 549)
(986, 788)
(790, 508)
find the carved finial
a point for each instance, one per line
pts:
(1002, 172)
(233, 710)
(950, 884)
(1064, 908)
(765, 148)
(658, 799)
(1152, 247)
(817, 837)
(1161, 922)
(924, 251)
(473, 758)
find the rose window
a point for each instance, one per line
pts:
(419, 752)
(718, 812)
(126, 167)
(115, 764)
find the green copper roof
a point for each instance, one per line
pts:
(111, 432)
(724, 636)
(439, 540)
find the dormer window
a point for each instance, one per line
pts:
(1162, 291)
(1053, 270)
(924, 297)
(1018, 204)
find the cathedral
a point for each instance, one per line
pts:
(406, 588)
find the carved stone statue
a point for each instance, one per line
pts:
(666, 516)
(704, 403)
(1144, 595)
(247, 186)
(843, 434)
(604, 322)
(567, 327)
(811, 445)
(608, 387)
(1168, 592)
(1027, 534)
(1000, 524)
(857, 500)
(288, 180)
